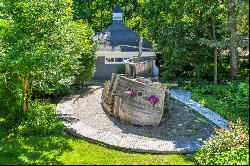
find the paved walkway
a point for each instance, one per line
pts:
(185, 97)
(182, 131)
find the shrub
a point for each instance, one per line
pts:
(230, 147)
(40, 120)
(231, 100)
(10, 103)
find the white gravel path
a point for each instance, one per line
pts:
(183, 131)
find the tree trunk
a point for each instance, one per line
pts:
(25, 91)
(31, 91)
(215, 51)
(233, 39)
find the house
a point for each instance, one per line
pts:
(116, 44)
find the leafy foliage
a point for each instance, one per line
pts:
(43, 49)
(183, 24)
(231, 100)
(97, 13)
(227, 148)
(182, 33)
(40, 120)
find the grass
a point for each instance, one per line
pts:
(60, 149)
(65, 149)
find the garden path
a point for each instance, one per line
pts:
(182, 131)
(185, 97)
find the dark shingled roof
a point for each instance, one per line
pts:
(117, 9)
(118, 37)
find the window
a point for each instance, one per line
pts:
(118, 59)
(117, 18)
(110, 60)
(114, 60)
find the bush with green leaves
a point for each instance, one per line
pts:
(231, 99)
(230, 147)
(40, 120)
(42, 50)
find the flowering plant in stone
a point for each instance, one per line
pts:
(129, 92)
(153, 99)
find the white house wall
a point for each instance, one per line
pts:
(117, 54)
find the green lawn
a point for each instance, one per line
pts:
(65, 149)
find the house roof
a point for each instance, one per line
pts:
(117, 9)
(118, 37)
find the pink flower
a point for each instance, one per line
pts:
(130, 93)
(153, 99)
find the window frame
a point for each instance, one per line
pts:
(114, 62)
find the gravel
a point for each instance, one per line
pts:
(183, 129)
(185, 97)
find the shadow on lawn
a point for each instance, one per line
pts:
(16, 149)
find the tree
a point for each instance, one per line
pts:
(215, 10)
(215, 51)
(43, 47)
(97, 13)
(233, 38)
(238, 27)
(178, 27)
